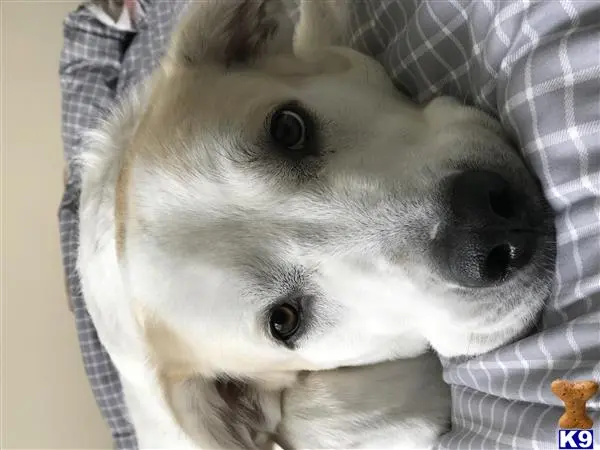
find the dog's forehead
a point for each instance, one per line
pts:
(190, 115)
(191, 130)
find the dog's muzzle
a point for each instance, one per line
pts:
(492, 230)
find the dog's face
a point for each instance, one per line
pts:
(282, 212)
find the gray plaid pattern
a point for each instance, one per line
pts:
(533, 64)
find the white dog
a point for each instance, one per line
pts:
(269, 230)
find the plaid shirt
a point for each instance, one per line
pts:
(533, 64)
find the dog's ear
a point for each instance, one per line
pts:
(322, 23)
(225, 414)
(230, 32)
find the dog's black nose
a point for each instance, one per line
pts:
(488, 234)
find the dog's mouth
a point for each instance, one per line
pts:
(492, 232)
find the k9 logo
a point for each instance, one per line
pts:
(575, 439)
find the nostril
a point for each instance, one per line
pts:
(502, 203)
(496, 265)
(481, 196)
(482, 259)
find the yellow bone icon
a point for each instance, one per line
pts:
(574, 395)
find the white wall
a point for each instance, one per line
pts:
(46, 400)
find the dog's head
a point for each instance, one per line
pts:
(281, 207)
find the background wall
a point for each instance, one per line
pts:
(46, 400)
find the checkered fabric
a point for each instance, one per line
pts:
(533, 64)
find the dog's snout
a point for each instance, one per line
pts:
(482, 196)
(488, 234)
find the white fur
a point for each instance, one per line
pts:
(205, 231)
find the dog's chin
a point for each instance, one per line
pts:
(463, 345)
(484, 320)
(489, 331)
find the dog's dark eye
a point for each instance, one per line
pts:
(289, 129)
(284, 321)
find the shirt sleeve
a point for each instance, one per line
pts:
(90, 65)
